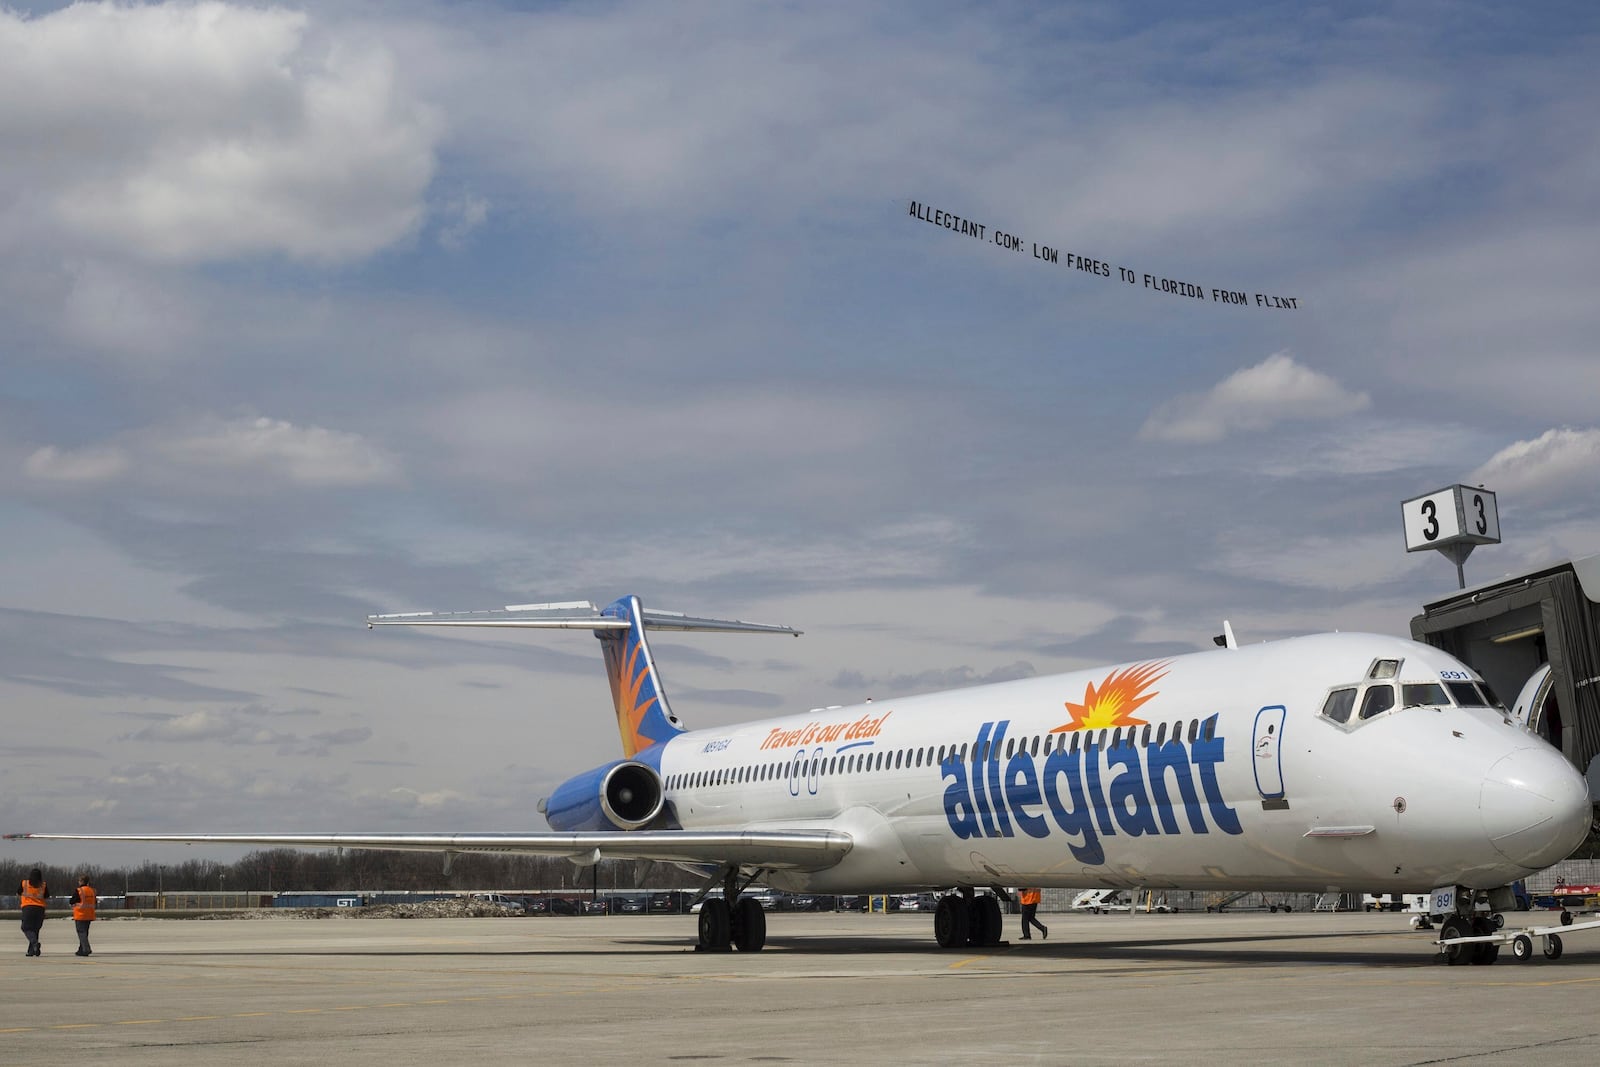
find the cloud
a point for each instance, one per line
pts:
(302, 455)
(243, 726)
(1275, 390)
(184, 133)
(94, 464)
(931, 680)
(1559, 463)
(243, 454)
(459, 217)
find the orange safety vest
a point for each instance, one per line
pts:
(83, 910)
(1028, 896)
(33, 896)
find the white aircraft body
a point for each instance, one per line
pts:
(1335, 762)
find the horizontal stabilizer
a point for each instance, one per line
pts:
(791, 850)
(575, 615)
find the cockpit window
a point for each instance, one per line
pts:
(1421, 694)
(1384, 668)
(1379, 699)
(1468, 695)
(1341, 702)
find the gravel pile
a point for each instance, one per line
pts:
(424, 909)
(437, 909)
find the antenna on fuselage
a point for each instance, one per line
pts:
(1225, 639)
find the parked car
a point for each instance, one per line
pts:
(674, 902)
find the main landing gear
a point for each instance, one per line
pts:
(732, 921)
(965, 919)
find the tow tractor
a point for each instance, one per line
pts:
(1468, 935)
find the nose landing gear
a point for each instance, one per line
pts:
(1475, 937)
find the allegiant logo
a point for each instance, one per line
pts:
(1089, 793)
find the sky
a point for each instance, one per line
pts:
(309, 312)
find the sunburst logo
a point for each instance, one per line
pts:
(1113, 703)
(637, 696)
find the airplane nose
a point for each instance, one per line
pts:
(1535, 807)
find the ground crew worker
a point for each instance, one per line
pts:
(33, 893)
(83, 913)
(1029, 899)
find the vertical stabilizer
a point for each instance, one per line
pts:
(643, 716)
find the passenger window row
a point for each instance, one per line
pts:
(901, 759)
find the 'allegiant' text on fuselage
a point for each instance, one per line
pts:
(1071, 784)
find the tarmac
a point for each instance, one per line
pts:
(1352, 988)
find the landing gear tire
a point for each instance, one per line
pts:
(984, 922)
(950, 924)
(749, 925)
(1522, 948)
(1552, 947)
(1454, 955)
(1487, 951)
(715, 926)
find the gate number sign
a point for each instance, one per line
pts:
(1454, 515)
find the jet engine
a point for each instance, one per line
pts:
(624, 795)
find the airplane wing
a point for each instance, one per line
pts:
(798, 850)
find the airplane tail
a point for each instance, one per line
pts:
(643, 715)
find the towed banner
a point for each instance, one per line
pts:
(1098, 267)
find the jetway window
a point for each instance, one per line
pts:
(1378, 699)
(1423, 694)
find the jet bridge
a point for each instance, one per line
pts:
(1509, 629)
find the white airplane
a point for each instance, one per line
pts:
(1341, 761)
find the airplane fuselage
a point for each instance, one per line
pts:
(1212, 770)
